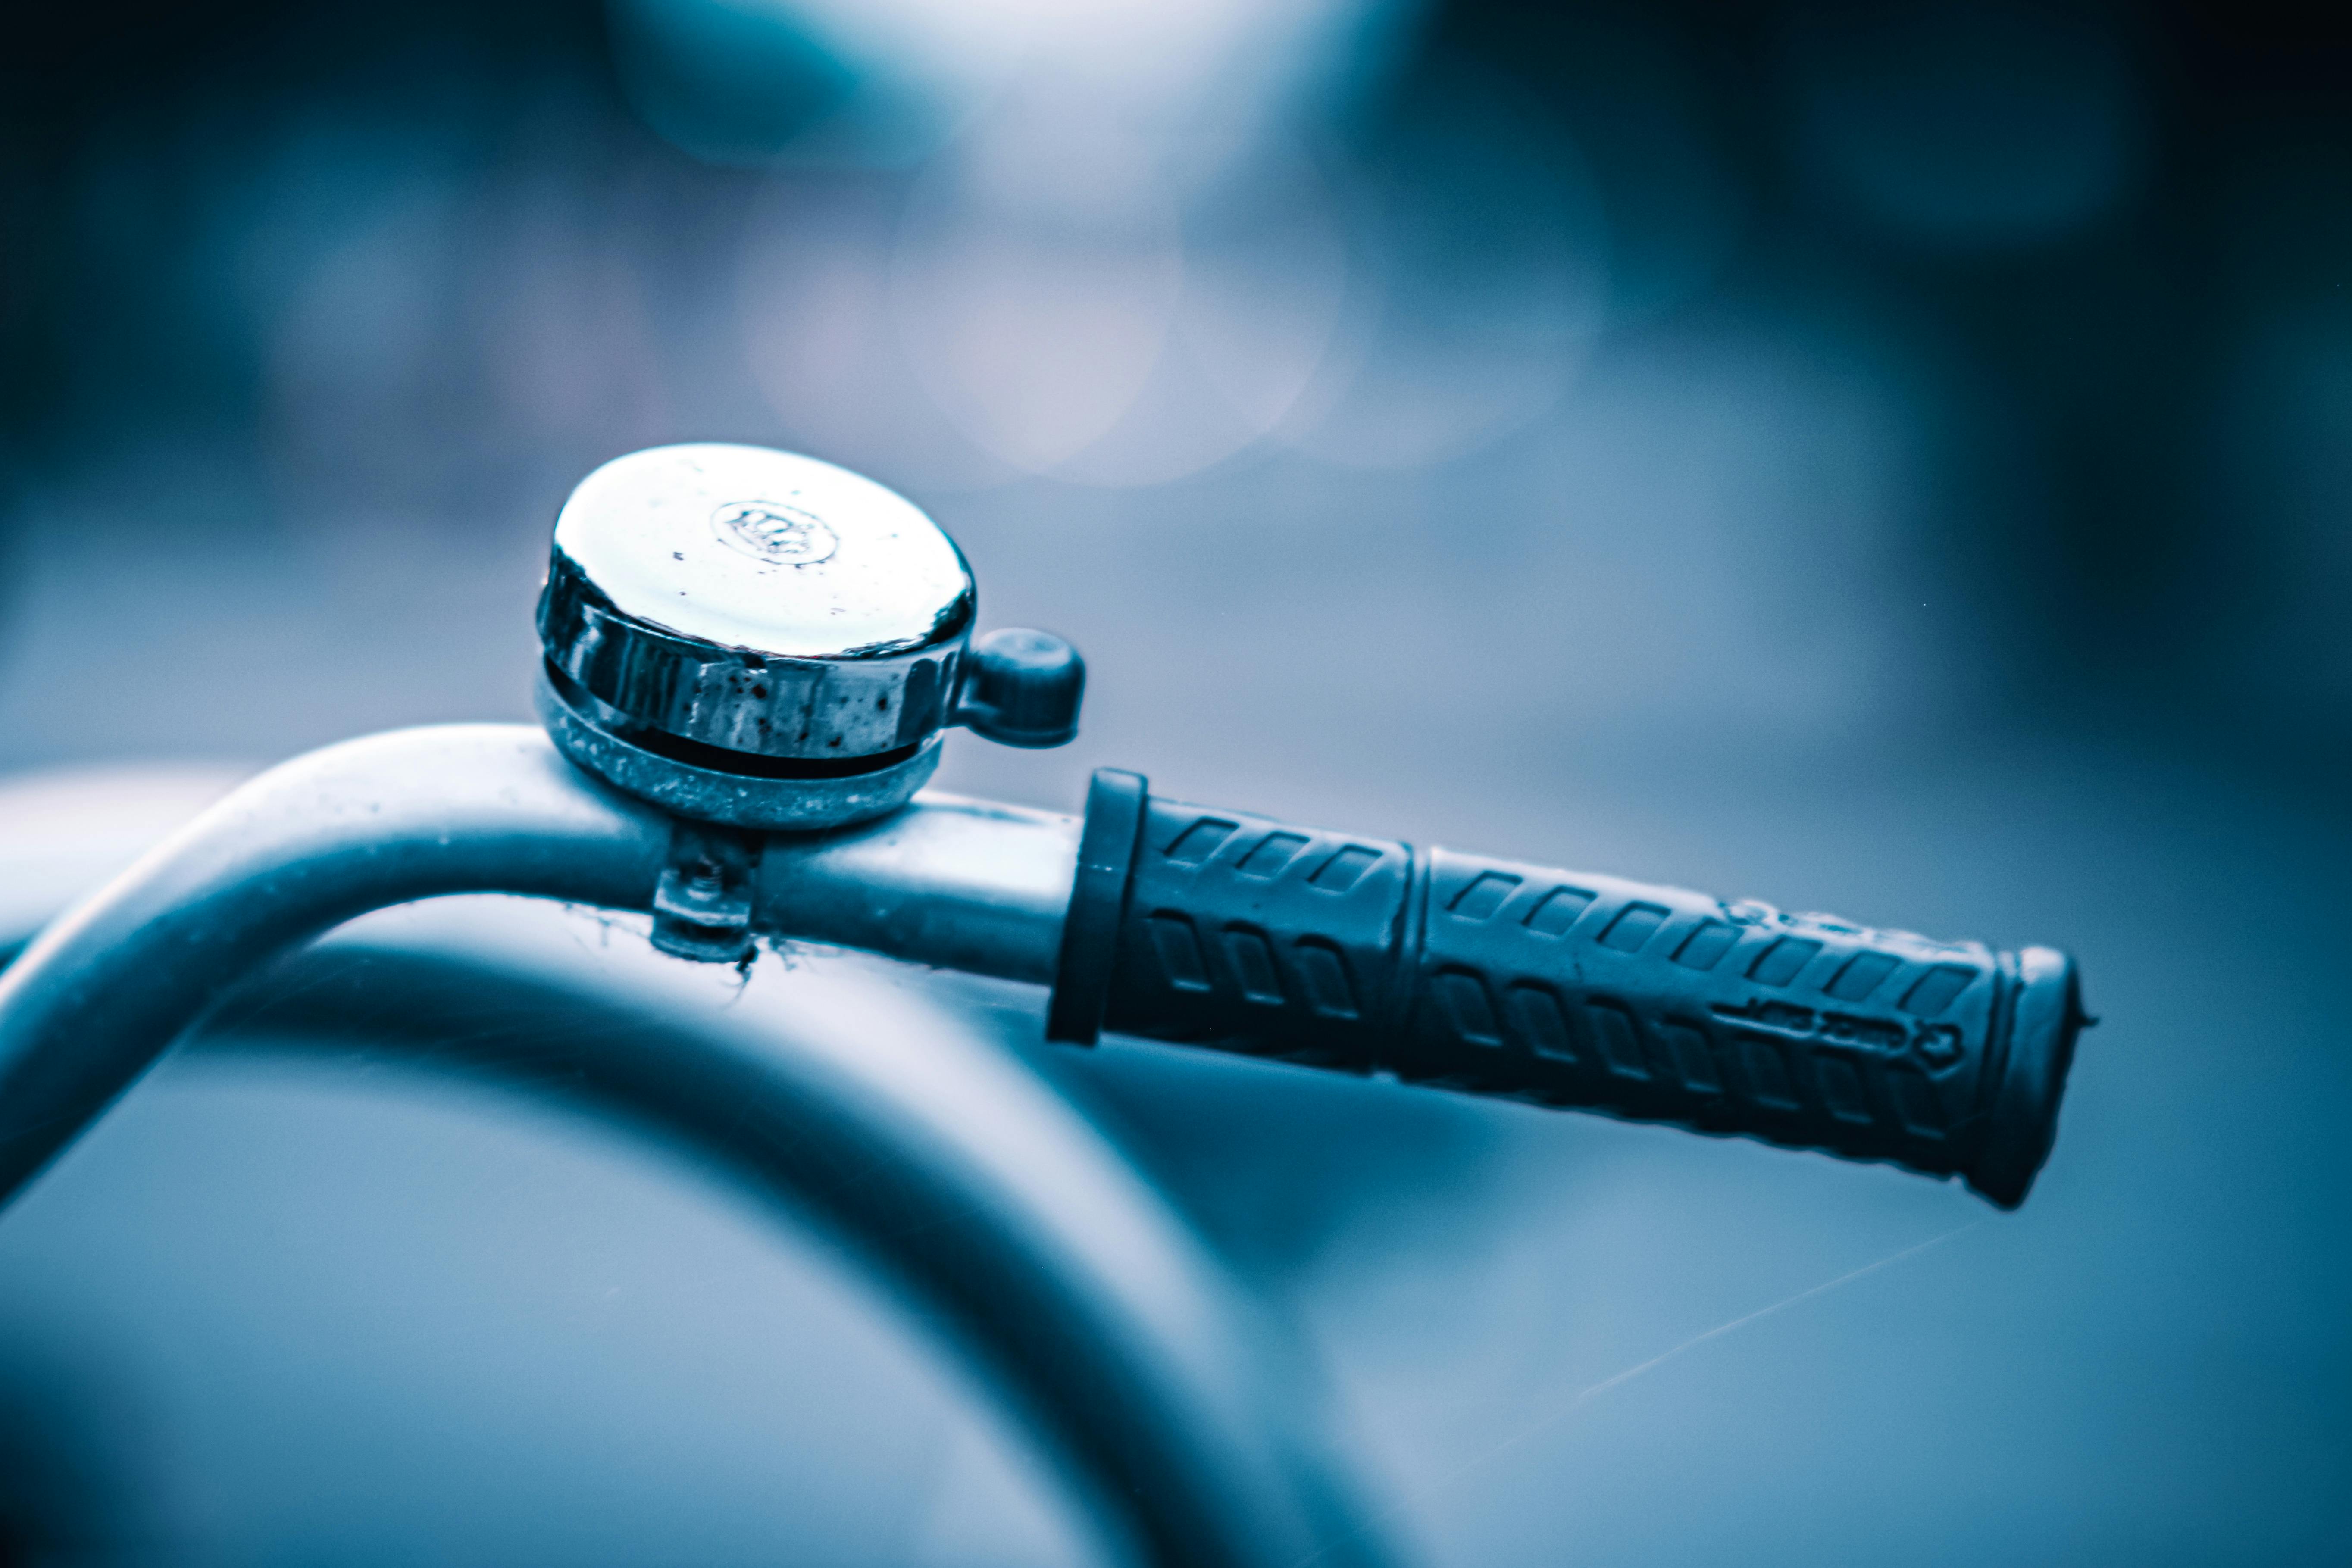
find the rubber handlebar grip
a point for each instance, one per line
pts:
(1573, 989)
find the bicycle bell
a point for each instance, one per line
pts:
(758, 639)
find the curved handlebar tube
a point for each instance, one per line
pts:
(1048, 1251)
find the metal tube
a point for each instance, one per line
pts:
(956, 883)
(307, 845)
(417, 814)
(1041, 1245)
(943, 1158)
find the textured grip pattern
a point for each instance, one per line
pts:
(1655, 1003)
(1571, 989)
(1247, 934)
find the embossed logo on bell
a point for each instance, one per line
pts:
(768, 530)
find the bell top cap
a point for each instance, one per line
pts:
(749, 547)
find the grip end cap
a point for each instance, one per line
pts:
(2044, 1018)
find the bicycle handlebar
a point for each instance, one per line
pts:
(1154, 918)
(1565, 988)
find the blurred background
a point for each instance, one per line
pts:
(1888, 458)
